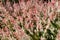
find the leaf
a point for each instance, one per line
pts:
(55, 25)
(28, 33)
(49, 32)
(2, 16)
(2, 25)
(0, 37)
(51, 35)
(16, 1)
(56, 20)
(4, 2)
(34, 28)
(41, 14)
(40, 33)
(20, 25)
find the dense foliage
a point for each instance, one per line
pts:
(29, 19)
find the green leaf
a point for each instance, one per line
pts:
(0, 37)
(20, 25)
(2, 25)
(49, 32)
(56, 20)
(40, 33)
(41, 14)
(55, 25)
(51, 35)
(16, 1)
(4, 1)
